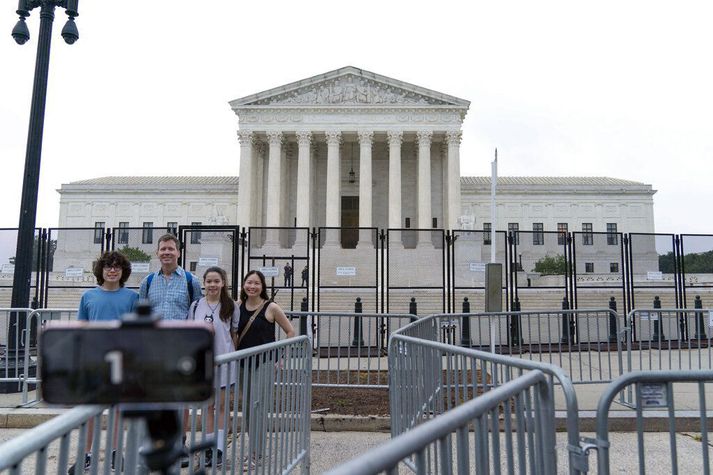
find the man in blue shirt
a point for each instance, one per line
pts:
(167, 289)
(108, 301)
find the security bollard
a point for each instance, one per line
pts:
(303, 319)
(465, 339)
(658, 329)
(515, 324)
(567, 324)
(358, 334)
(412, 309)
(612, 319)
(700, 324)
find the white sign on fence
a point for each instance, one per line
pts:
(653, 395)
(140, 267)
(270, 271)
(8, 269)
(654, 276)
(74, 272)
(346, 271)
(649, 316)
(477, 267)
(207, 261)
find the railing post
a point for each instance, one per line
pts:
(567, 324)
(304, 307)
(515, 325)
(413, 309)
(658, 329)
(700, 324)
(612, 320)
(465, 339)
(358, 334)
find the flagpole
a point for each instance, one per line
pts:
(493, 209)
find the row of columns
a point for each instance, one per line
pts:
(247, 187)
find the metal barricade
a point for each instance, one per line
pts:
(12, 345)
(654, 390)
(266, 390)
(523, 409)
(587, 344)
(669, 339)
(429, 378)
(349, 348)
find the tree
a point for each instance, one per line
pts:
(47, 261)
(551, 265)
(134, 254)
(693, 263)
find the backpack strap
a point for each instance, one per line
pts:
(189, 283)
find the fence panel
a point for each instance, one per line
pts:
(653, 270)
(345, 271)
(597, 268)
(661, 391)
(139, 245)
(696, 269)
(206, 246)
(416, 268)
(522, 409)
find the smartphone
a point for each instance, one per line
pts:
(111, 362)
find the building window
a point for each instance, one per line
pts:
(172, 227)
(147, 233)
(434, 223)
(195, 235)
(123, 235)
(587, 236)
(193, 266)
(612, 238)
(562, 233)
(589, 267)
(487, 230)
(538, 235)
(407, 223)
(514, 229)
(614, 267)
(99, 232)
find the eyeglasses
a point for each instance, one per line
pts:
(113, 267)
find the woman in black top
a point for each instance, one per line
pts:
(253, 298)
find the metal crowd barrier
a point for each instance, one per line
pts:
(265, 424)
(522, 408)
(11, 361)
(587, 344)
(654, 390)
(349, 348)
(429, 378)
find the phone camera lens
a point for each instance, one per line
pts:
(186, 365)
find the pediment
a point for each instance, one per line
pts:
(349, 87)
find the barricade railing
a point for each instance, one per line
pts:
(261, 409)
(522, 409)
(669, 339)
(587, 344)
(428, 378)
(12, 345)
(349, 348)
(654, 390)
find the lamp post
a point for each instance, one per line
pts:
(28, 206)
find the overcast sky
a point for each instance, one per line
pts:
(607, 88)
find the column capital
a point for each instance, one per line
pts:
(304, 137)
(246, 137)
(274, 137)
(453, 137)
(396, 137)
(334, 137)
(424, 137)
(366, 137)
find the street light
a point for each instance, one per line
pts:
(30, 184)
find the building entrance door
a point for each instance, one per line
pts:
(350, 222)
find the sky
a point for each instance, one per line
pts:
(570, 88)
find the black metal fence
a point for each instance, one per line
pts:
(391, 270)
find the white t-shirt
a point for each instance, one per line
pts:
(223, 343)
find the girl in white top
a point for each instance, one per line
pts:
(219, 310)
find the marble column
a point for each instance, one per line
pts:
(257, 213)
(366, 138)
(454, 199)
(394, 202)
(245, 183)
(304, 192)
(333, 185)
(274, 186)
(424, 178)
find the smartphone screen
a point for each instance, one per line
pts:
(136, 364)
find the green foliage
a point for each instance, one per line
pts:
(551, 265)
(693, 263)
(134, 254)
